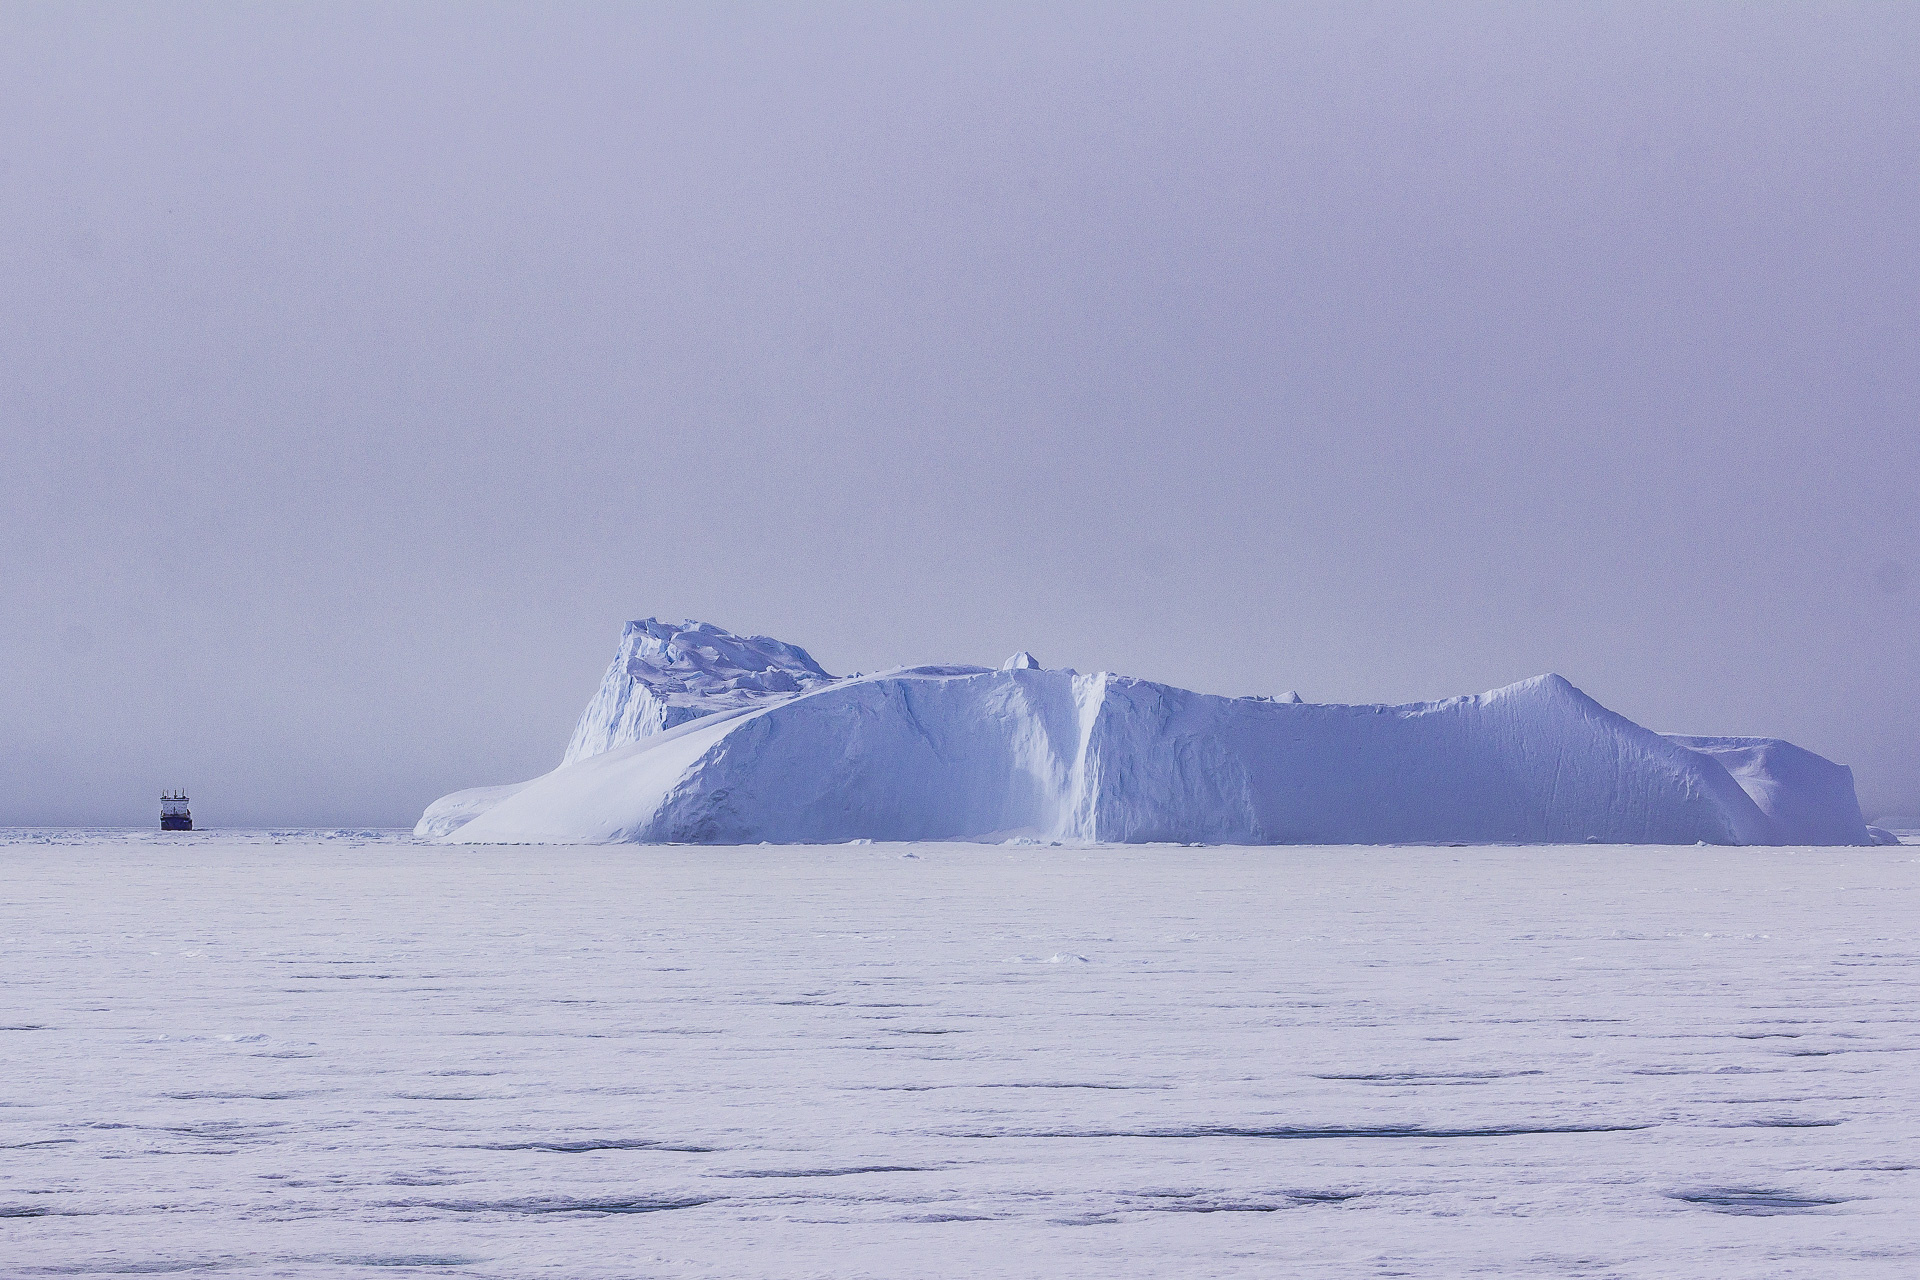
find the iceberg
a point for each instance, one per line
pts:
(700, 736)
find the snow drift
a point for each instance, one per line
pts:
(697, 735)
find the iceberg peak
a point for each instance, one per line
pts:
(667, 673)
(1021, 661)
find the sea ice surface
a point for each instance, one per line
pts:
(348, 1054)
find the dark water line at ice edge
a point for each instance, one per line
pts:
(1292, 1133)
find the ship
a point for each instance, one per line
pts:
(174, 814)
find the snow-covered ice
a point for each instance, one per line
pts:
(700, 736)
(348, 1054)
(666, 674)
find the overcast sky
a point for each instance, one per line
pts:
(364, 368)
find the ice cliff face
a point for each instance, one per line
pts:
(696, 737)
(1808, 799)
(666, 675)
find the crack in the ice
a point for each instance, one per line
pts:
(1201, 1202)
(556, 1204)
(832, 1173)
(1431, 1077)
(230, 1131)
(1293, 1132)
(1064, 1085)
(350, 977)
(577, 1146)
(1755, 1202)
(217, 1096)
(400, 1260)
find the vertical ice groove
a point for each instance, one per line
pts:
(1089, 700)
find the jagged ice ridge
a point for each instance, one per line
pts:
(697, 735)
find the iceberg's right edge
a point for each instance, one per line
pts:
(967, 753)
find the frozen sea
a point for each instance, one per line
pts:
(348, 1054)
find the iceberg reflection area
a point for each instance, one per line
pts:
(699, 736)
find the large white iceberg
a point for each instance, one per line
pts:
(700, 736)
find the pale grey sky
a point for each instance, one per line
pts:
(365, 367)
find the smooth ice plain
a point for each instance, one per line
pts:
(348, 1054)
